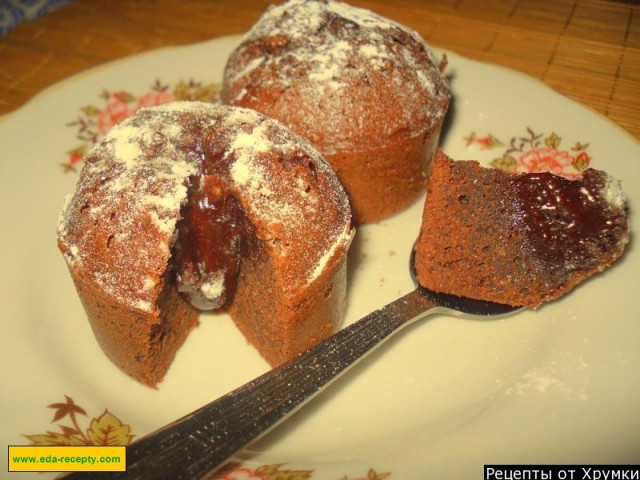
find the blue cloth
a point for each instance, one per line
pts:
(12, 12)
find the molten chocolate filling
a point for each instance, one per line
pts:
(569, 223)
(213, 238)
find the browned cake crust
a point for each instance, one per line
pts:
(516, 239)
(125, 231)
(365, 91)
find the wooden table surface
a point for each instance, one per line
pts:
(588, 50)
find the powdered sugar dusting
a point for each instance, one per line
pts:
(252, 143)
(120, 225)
(250, 176)
(149, 283)
(547, 380)
(327, 49)
(252, 65)
(214, 287)
(143, 305)
(285, 207)
(238, 116)
(362, 17)
(343, 241)
(613, 193)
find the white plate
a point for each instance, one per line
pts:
(559, 385)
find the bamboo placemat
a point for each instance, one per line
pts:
(588, 50)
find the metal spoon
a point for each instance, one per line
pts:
(201, 442)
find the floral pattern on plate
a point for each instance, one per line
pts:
(105, 429)
(535, 153)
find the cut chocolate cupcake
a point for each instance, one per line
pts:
(192, 206)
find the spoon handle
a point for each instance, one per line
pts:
(202, 441)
